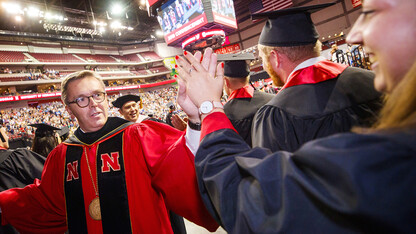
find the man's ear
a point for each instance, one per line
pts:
(275, 60)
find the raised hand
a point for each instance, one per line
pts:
(203, 79)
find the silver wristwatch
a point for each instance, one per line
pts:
(208, 106)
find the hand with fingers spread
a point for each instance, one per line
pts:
(203, 80)
(178, 122)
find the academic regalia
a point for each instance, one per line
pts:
(319, 98)
(177, 223)
(243, 103)
(317, 101)
(120, 101)
(18, 168)
(241, 107)
(345, 183)
(139, 171)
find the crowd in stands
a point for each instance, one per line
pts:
(17, 120)
(51, 74)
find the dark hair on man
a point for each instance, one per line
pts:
(44, 144)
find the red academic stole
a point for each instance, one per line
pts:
(320, 71)
(245, 92)
(112, 189)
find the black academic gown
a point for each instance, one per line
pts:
(18, 168)
(300, 113)
(241, 108)
(345, 183)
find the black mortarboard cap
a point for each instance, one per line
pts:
(64, 130)
(42, 129)
(290, 26)
(126, 98)
(235, 65)
(170, 105)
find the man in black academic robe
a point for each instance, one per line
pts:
(18, 168)
(243, 100)
(318, 98)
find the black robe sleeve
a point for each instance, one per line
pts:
(347, 183)
(19, 168)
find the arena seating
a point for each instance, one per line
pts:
(115, 74)
(55, 58)
(141, 72)
(97, 58)
(150, 55)
(15, 78)
(12, 56)
(128, 58)
(158, 69)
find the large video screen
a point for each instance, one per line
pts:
(223, 11)
(179, 17)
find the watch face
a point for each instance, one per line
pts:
(206, 107)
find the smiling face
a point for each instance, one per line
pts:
(92, 117)
(387, 29)
(130, 111)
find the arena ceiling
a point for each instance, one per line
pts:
(135, 25)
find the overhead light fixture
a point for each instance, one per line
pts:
(33, 11)
(18, 18)
(48, 15)
(12, 8)
(115, 24)
(159, 33)
(116, 9)
(64, 28)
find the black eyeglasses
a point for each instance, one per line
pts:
(84, 101)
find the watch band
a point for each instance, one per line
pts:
(194, 126)
(218, 105)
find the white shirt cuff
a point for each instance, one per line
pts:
(192, 139)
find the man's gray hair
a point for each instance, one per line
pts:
(77, 76)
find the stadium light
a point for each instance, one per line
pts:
(48, 15)
(18, 18)
(115, 24)
(33, 11)
(51, 16)
(159, 33)
(116, 9)
(12, 8)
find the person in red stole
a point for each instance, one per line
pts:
(318, 98)
(243, 99)
(112, 175)
(362, 182)
(18, 168)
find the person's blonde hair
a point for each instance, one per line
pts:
(77, 76)
(399, 111)
(295, 53)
